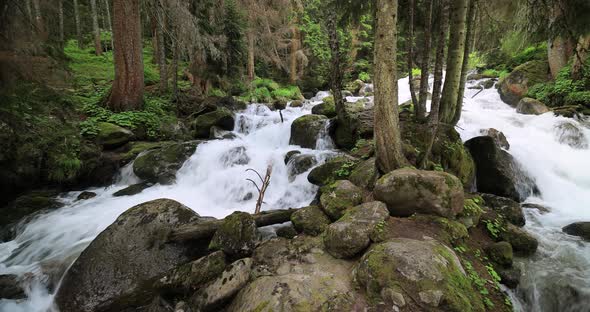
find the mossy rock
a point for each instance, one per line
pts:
(337, 168)
(327, 108)
(112, 136)
(336, 198)
(161, 165)
(237, 236)
(358, 125)
(523, 243)
(472, 211)
(310, 220)
(580, 229)
(132, 149)
(185, 278)
(27, 205)
(305, 130)
(221, 117)
(365, 174)
(500, 253)
(427, 269)
(133, 189)
(515, 86)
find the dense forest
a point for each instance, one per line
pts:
(294, 155)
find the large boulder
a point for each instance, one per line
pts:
(498, 137)
(402, 270)
(305, 130)
(237, 236)
(28, 205)
(500, 253)
(365, 174)
(581, 229)
(351, 234)
(10, 287)
(116, 270)
(337, 168)
(509, 209)
(326, 108)
(409, 191)
(516, 85)
(523, 243)
(359, 124)
(299, 164)
(528, 106)
(497, 171)
(112, 136)
(310, 220)
(336, 198)
(222, 118)
(161, 165)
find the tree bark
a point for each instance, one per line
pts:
(387, 135)
(77, 19)
(455, 60)
(582, 52)
(175, 56)
(162, 66)
(421, 112)
(411, 59)
(250, 64)
(335, 69)
(95, 28)
(293, 55)
(128, 86)
(109, 21)
(39, 20)
(60, 8)
(465, 67)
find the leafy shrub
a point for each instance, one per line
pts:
(364, 76)
(289, 93)
(416, 72)
(269, 84)
(217, 92)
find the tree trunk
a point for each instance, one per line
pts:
(293, 56)
(387, 135)
(162, 66)
(250, 65)
(175, 56)
(95, 28)
(465, 67)
(60, 8)
(582, 52)
(77, 19)
(39, 20)
(456, 49)
(335, 69)
(127, 90)
(411, 59)
(109, 22)
(421, 112)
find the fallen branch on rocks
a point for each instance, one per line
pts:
(203, 230)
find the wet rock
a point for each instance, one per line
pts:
(85, 195)
(161, 165)
(509, 276)
(355, 87)
(509, 209)
(516, 85)
(351, 234)
(221, 117)
(542, 209)
(193, 275)
(10, 287)
(133, 189)
(528, 106)
(310, 220)
(581, 229)
(326, 109)
(331, 170)
(279, 104)
(305, 130)
(365, 174)
(235, 156)
(237, 236)
(523, 243)
(498, 137)
(299, 164)
(235, 277)
(27, 205)
(111, 136)
(291, 154)
(427, 269)
(296, 103)
(286, 231)
(338, 197)
(497, 171)
(410, 191)
(570, 134)
(115, 271)
(500, 253)
(216, 133)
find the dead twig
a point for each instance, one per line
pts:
(262, 189)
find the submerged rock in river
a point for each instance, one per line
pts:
(161, 165)
(581, 229)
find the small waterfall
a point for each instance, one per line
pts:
(324, 141)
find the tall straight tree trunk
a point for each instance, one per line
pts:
(250, 63)
(109, 21)
(60, 8)
(387, 134)
(128, 86)
(162, 66)
(456, 49)
(39, 20)
(77, 19)
(465, 67)
(293, 55)
(335, 68)
(581, 55)
(95, 28)
(421, 112)
(411, 59)
(433, 117)
(175, 56)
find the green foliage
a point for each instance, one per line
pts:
(269, 84)
(564, 90)
(288, 93)
(345, 169)
(217, 92)
(364, 76)
(476, 60)
(233, 29)
(495, 227)
(416, 72)
(472, 207)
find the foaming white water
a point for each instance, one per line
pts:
(212, 182)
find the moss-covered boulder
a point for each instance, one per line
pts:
(116, 270)
(221, 117)
(27, 205)
(472, 211)
(296, 103)
(500, 253)
(355, 87)
(523, 243)
(510, 210)
(497, 171)
(305, 130)
(161, 165)
(422, 274)
(358, 125)
(310, 220)
(581, 229)
(237, 236)
(299, 164)
(365, 174)
(85, 195)
(133, 189)
(515, 86)
(326, 108)
(337, 168)
(337, 197)
(528, 106)
(112, 136)
(409, 191)
(351, 234)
